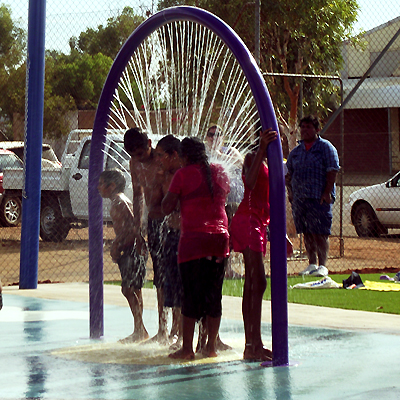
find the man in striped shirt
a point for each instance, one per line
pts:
(312, 169)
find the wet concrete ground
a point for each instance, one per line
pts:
(41, 329)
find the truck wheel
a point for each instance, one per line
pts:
(11, 211)
(53, 226)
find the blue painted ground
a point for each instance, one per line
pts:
(326, 363)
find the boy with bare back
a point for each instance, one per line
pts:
(128, 249)
(147, 179)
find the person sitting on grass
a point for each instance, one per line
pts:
(128, 248)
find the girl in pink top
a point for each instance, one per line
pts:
(249, 236)
(204, 224)
(203, 247)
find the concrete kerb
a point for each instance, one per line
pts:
(299, 314)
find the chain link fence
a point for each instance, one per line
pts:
(365, 232)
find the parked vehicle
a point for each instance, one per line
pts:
(375, 209)
(64, 191)
(10, 208)
(49, 158)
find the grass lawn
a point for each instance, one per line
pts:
(355, 299)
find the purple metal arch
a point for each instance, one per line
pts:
(277, 187)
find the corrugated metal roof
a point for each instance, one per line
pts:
(373, 93)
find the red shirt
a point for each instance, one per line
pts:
(256, 201)
(204, 224)
(308, 145)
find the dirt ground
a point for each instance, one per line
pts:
(69, 261)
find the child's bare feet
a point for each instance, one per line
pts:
(220, 345)
(265, 354)
(260, 353)
(209, 352)
(176, 342)
(135, 337)
(201, 344)
(182, 354)
(160, 338)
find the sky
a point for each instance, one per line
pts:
(376, 12)
(67, 18)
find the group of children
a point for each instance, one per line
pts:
(189, 239)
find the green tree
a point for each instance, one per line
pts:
(78, 76)
(108, 39)
(12, 99)
(12, 47)
(12, 40)
(297, 37)
(305, 37)
(74, 81)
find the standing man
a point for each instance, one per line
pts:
(312, 169)
(147, 179)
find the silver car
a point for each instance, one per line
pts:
(375, 209)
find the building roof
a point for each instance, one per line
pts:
(373, 93)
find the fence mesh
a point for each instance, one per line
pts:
(80, 47)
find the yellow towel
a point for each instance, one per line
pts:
(381, 286)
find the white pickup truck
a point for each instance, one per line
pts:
(64, 191)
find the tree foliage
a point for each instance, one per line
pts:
(297, 37)
(73, 81)
(305, 37)
(79, 76)
(12, 40)
(12, 47)
(107, 39)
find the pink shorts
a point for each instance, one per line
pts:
(248, 231)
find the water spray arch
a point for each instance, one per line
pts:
(277, 188)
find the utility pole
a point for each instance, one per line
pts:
(257, 32)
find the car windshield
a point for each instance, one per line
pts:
(9, 161)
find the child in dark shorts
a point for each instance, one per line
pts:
(173, 283)
(132, 267)
(128, 249)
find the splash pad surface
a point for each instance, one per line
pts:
(142, 354)
(327, 363)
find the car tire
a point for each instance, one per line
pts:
(11, 211)
(53, 226)
(365, 221)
